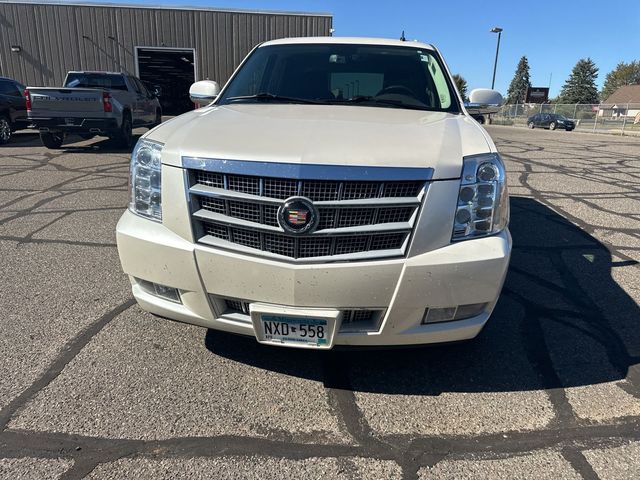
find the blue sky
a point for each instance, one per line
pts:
(553, 35)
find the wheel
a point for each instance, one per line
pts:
(158, 119)
(124, 138)
(531, 125)
(52, 140)
(5, 130)
(552, 126)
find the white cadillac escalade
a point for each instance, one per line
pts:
(335, 192)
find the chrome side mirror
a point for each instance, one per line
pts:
(483, 101)
(204, 92)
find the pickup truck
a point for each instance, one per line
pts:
(336, 192)
(92, 103)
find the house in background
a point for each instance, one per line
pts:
(624, 102)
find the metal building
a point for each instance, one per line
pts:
(166, 47)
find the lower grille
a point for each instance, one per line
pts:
(361, 321)
(236, 306)
(353, 320)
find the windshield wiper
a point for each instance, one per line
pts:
(271, 97)
(382, 101)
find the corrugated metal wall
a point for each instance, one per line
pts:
(57, 38)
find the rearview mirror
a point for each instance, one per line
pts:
(204, 92)
(483, 101)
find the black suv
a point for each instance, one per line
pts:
(13, 108)
(551, 121)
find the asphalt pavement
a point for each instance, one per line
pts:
(91, 386)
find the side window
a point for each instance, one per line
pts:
(4, 87)
(439, 80)
(21, 88)
(135, 84)
(10, 88)
(141, 86)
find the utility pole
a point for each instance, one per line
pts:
(497, 30)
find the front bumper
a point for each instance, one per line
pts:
(462, 273)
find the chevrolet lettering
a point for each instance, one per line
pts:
(335, 192)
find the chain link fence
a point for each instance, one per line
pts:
(617, 119)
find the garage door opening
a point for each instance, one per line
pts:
(171, 71)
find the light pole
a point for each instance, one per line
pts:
(497, 30)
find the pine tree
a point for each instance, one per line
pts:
(461, 85)
(521, 82)
(580, 87)
(623, 74)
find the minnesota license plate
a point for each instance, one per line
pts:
(301, 331)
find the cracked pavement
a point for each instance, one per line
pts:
(93, 387)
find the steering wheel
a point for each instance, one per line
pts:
(401, 89)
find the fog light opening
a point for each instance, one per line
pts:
(447, 314)
(162, 291)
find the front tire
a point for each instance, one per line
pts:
(52, 140)
(552, 126)
(5, 130)
(531, 125)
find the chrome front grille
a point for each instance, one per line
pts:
(357, 218)
(316, 190)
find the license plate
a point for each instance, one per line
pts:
(301, 331)
(69, 121)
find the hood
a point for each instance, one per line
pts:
(325, 135)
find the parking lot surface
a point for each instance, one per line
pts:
(92, 386)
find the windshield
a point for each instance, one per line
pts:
(558, 117)
(367, 75)
(95, 80)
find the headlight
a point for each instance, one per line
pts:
(144, 180)
(483, 201)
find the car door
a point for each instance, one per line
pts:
(149, 108)
(138, 102)
(16, 93)
(146, 111)
(546, 120)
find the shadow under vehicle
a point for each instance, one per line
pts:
(562, 321)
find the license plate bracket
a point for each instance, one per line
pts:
(294, 327)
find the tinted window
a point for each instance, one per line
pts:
(9, 88)
(140, 88)
(95, 80)
(367, 75)
(135, 84)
